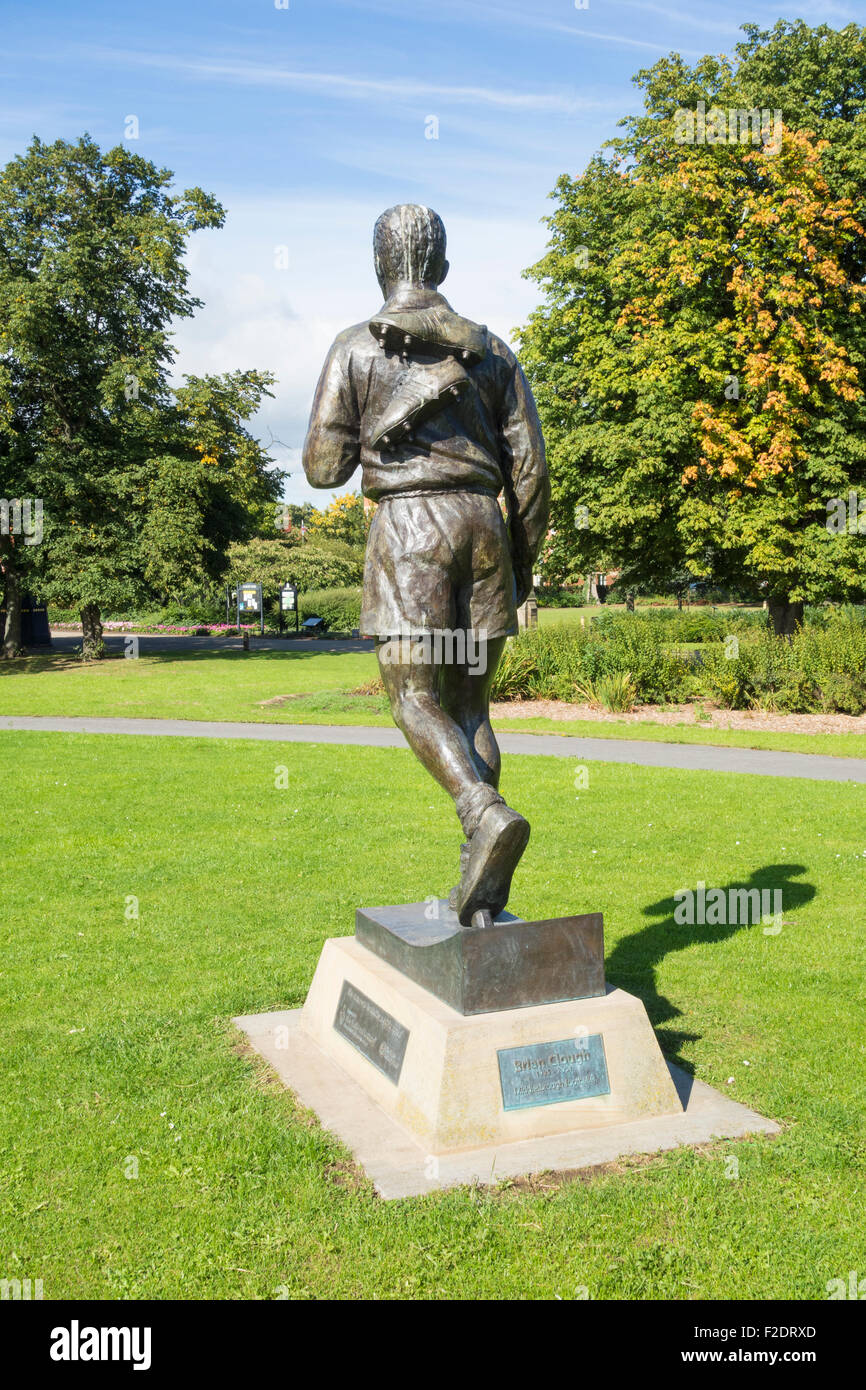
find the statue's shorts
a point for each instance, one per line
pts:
(438, 562)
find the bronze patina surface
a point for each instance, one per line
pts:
(512, 964)
(437, 413)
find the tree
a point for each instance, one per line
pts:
(92, 272)
(15, 552)
(342, 520)
(10, 593)
(316, 565)
(210, 488)
(698, 359)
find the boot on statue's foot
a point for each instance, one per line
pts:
(494, 853)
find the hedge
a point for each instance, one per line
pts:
(340, 608)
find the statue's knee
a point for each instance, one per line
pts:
(410, 710)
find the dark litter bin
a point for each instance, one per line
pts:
(35, 631)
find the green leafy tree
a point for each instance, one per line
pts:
(314, 565)
(342, 520)
(210, 489)
(92, 272)
(698, 359)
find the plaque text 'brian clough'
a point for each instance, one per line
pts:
(544, 1073)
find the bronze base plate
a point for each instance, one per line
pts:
(513, 964)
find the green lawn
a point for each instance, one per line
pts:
(555, 617)
(178, 685)
(233, 685)
(834, 745)
(119, 1056)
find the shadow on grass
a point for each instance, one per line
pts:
(49, 661)
(67, 660)
(632, 962)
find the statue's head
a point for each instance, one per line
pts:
(409, 248)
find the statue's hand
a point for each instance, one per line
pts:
(523, 582)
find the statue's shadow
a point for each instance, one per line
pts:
(632, 963)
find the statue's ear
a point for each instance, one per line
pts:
(446, 266)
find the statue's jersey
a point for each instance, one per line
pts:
(427, 402)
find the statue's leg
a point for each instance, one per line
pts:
(412, 686)
(465, 761)
(465, 696)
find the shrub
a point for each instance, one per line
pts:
(833, 658)
(559, 598)
(726, 683)
(340, 608)
(515, 672)
(615, 692)
(696, 625)
(327, 565)
(631, 655)
(549, 663)
(843, 693)
(822, 669)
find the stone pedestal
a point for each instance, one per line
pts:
(527, 614)
(392, 1053)
(460, 1082)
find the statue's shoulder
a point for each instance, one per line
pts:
(353, 340)
(500, 349)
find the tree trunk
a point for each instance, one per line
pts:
(92, 646)
(11, 636)
(629, 601)
(785, 617)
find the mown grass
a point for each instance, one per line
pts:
(234, 686)
(228, 685)
(120, 1058)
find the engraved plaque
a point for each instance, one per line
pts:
(378, 1036)
(545, 1073)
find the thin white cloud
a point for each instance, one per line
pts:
(703, 20)
(527, 17)
(258, 74)
(578, 32)
(694, 18)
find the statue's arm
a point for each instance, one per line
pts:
(527, 485)
(332, 448)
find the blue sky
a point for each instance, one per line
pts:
(307, 121)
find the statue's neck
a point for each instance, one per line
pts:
(407, 296)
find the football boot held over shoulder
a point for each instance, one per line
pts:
(422, 392)
(420, 332)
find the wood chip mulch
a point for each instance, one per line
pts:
(711, 718)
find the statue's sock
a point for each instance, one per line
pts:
(472, 804)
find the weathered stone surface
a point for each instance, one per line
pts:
(449, 1095)
(400, 1166)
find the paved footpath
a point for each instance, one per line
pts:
(151, 642)
(696, 757)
